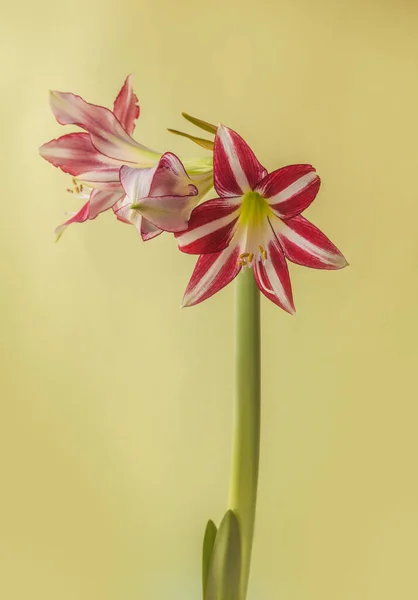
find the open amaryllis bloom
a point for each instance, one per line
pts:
(255, 222)
(94, 157)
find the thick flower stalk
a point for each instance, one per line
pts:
(94, 157)
(255, 223)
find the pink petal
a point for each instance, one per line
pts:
(74, 153)
(290, 190)
(170, 178)
(236, 168)
(136, 182)
(212, 273)
(273, 277)
(169, 213)
(118, 209)
(211, 227)
(171, 196)
(107, 134)
(126, 107)
(148, 230)
(79, 217)
(124, 213)
(305, 244)
(98, 202)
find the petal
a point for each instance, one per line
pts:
(290, 190)
(170, 178)
(236, 168)
(273, 279)
(125, 107)
(107, 134)
(171, 197)
(148, 230)
(211, 227)
(124, 213)
(119, 207)
(98, 202)
(79, 217)
(305, 244)
(212, 273)
(74, 153)
(169, 213)
(136, 182)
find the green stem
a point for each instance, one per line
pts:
(246, 442)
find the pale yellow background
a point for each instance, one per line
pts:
(115, 424)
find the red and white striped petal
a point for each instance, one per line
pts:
(125, 107)
(74, 153)
(290, 190)
(107, 134)
(236, 168)
(212, 273)
(306, 245)
(98, 202)
(273, 279)
(211, 226)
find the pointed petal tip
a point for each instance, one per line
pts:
(58, 233)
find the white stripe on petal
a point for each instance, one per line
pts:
(209, 277)
(277, 286)
(195, 234)
(293, 189)
(233, 158)
(324, 255)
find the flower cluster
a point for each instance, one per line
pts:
(254, 222)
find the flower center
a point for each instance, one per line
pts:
(255, 228)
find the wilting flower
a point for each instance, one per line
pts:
(255, 222)
(94, 158)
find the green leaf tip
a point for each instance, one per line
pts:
(207, 144)
(223, 578)
(208, 543)
(199, 123)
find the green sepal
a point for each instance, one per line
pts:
(199, 141)
(223, 579)
(199, 123)
(208, 542)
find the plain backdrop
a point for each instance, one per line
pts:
(115, 426)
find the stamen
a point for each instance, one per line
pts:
(251, 257)
(77, 187)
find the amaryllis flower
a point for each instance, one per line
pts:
(157, 199)
(256, 222)
(94, 158)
